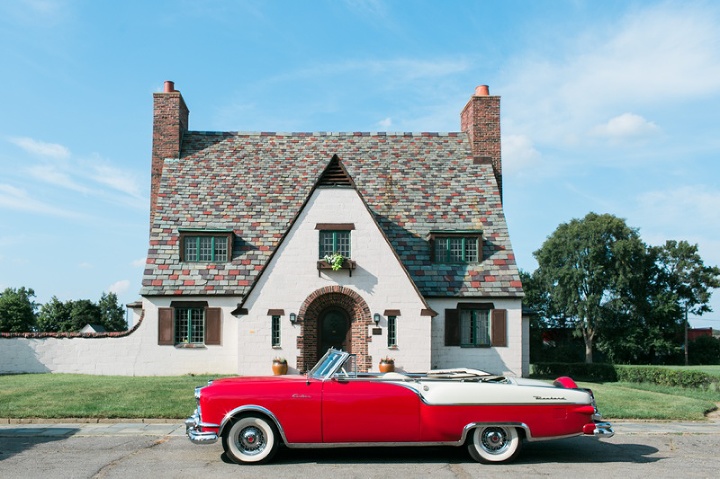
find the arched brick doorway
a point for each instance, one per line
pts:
(322, 304)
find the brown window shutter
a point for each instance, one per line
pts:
(166, 327)
(213, 326)
(452, 327)
(499, 327)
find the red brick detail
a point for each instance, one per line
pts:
(170, 121)
(360, 320)
(480, 119)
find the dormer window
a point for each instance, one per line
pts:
(205, 246)
(456, 247)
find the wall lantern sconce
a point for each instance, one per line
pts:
(376, 319)
(293, 318)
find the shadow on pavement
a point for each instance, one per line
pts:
(574, 450)
(15, 440)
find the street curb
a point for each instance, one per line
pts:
(89, 420)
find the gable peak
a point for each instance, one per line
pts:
(335, 174)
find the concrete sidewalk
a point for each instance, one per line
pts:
(60, 429)
(10, 428)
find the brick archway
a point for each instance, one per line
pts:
(309, 315)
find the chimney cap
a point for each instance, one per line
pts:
(169, 86)
(482, 90)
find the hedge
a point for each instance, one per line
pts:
(632, 374)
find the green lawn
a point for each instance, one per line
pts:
(647, 401)
(73, 395)
(76, 395)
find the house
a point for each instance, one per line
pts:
(243, 227)
(93, 328)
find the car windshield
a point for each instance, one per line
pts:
(327, 364)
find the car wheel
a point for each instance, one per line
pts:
(250, 440)
(494, 444)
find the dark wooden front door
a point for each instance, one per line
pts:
(334, 331)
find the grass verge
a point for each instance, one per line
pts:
(55, 396)
(76, 395)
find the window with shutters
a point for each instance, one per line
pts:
(189, 324)
(476, 325)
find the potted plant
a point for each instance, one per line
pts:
(279, 366)
(387, 365)
(335, 260)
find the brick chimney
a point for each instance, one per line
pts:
(170, 122)
(480, 119)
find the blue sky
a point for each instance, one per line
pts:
(611, 107)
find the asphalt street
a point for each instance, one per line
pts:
(161, 450)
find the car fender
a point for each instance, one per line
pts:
(251, 408)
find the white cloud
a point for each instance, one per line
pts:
(519, 153)
(654, 57)
(41, 148)
(695, 205)
(119, 180)
(14, 198)
(138, 263)
(92, 177)
(385, 125)
(119, 287)
(626, 126)
(51, 174)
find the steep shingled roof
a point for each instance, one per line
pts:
(256, 183)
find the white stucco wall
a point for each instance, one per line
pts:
(137, 354)
(292, 276)
(499, 360)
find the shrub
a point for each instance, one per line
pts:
(665, 376)
(600, 372)
(596, 372)
(704, 350)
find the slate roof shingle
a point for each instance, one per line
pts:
(256, 183)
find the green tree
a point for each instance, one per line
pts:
(17, 310)
(55, 316)
(82, 312)
(112, 315)
(584, 266)
(687, 280)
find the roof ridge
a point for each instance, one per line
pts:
(421, 134)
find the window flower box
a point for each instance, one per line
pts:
(347, 264)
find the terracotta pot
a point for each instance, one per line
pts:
(386, 367)
(279, 368)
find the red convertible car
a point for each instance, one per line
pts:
(334, 406)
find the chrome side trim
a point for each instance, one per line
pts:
(330, 445)
(460, 442)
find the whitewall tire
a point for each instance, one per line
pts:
(494, 444)
(250, 440)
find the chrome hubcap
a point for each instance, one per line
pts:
(494, 440)
(251, 440)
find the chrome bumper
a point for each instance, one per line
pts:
(193, 427)
(599, 429)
